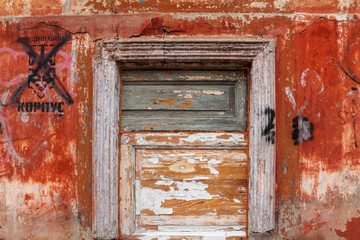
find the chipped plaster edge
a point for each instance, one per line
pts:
(106, 126)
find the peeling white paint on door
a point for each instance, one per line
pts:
(153, 199)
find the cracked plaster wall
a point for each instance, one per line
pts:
(45, 159)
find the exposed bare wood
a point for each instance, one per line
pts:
(105, 146)
(127, 191)
(187, 139)
(191, 164)
(179, 198)
(261, 152)
(176, 75)
(163, 201)
(194, 220)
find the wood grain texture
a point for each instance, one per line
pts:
(172, 75)
(180, 164)
(105, 146)
(183, 237)
(176, 97)
(174, 140)
(262, 153)
(185, 123)
(127, 190)
(158, 196)
(193, 220)
(193, 198)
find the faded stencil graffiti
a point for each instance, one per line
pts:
(27, 95)
(42, 72)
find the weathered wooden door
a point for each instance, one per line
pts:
(183, 163)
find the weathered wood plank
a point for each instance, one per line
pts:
(218, 232)
(167, 237)
(219, 235)
(185, 139)
(177, 114)
(173, 75)
(200, 228)
(202, 198)
(194, 220)
(176, 97)
(183, 124)
(180, 164)
(127, 191)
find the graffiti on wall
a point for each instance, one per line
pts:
(269, 131)
(36, 99)
(302, 130)
(42, 75)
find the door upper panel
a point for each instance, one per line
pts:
(184, 100)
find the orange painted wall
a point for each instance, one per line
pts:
(45, 157)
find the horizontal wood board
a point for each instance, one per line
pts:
(188, 75)
(188, 164)
(177, 97)
(184, 100)
(209, 198)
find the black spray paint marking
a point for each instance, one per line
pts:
(41, 106)
(349, 73)
(45, 65)
(303, 130)
(355, 139)
(269, 129)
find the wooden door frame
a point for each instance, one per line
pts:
(111, 55)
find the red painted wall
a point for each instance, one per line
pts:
(45, 155)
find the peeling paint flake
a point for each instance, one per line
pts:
(213, 92)
(153, 199)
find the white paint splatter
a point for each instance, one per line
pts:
(24, 116)
(302, 80)
(280, 3)
(305, 73)
(258, 5)
(290, 96)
